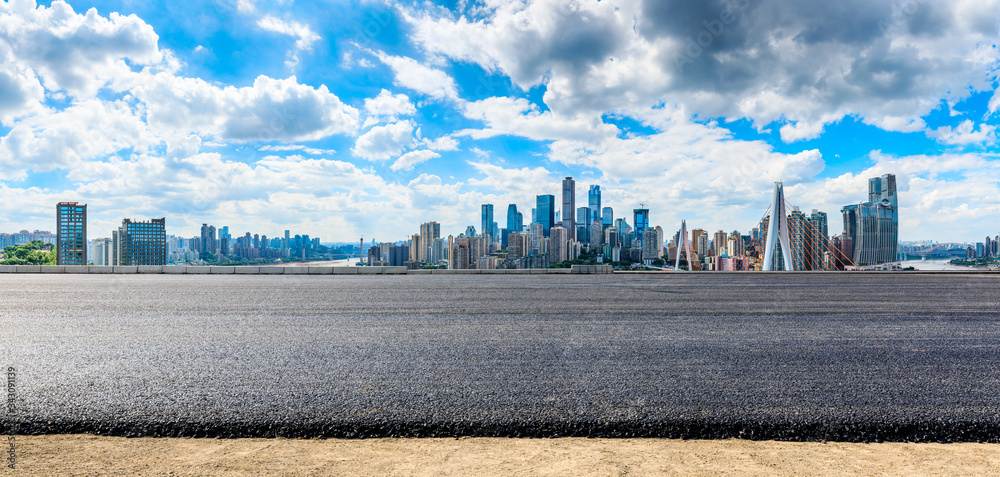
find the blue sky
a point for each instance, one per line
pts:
(342, 119)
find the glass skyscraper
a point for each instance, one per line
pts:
(569, 206)
(71, 233)
(515, 221)
(545, 207)
(594, 202)
(607, 217)
(487, 228)
(141, 243)
(873, 226)
(641, 222)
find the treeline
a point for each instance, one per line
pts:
(31, 253)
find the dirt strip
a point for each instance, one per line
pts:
(92, 455)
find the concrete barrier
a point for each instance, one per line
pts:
(100, 269)
(320, 270)
(521, 271)
(395, 270)
(370, 270)
(8, 268)
(53, 269)
(222, 270)
(271, 270)
(246, 270)
(280, 270)
(127, 269)
(492, 272)
(296, 270)
(174, 270)
(419, 272)
(345, 270)
(198, 270)
(146, 269)
(76, 269)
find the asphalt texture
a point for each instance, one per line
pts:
(846, 357)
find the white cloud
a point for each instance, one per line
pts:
(423, 79)
(412, 158)
(298, 147)
(71, 52)
(383, 142)
(801, 65)
(271, 109)
(516, 116)
(965, 134)
(443, 143)
(302, 33)
(387, 107)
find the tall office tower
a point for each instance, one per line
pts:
(515, 220)
(569, 206)
(470, 231)
(71, 233)
(224, 233)
(487, 217)
(800, 238)
(560, 241)
(519, 245)
(661, 237)
(719, 244)
(873, 226)
(649, 248)
(696, 235)
(596, 235)
(288, 241)
(141, 243)
(582, 223)
(819, 241)
(101, 253)
(607, 217)
(611, 237)
(641, 222)
(545, 206)
(594, 201)
(429, 231)
(702, 245)
(208, 239)
(537, 234)
(438, 251)
(417, 250)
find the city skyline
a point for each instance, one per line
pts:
(263, 117)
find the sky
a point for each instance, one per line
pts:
(342, 119)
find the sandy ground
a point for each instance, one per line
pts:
(93, 455)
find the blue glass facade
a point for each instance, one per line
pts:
(545, 205)
(641, 222)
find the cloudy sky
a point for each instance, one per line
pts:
(348, 118)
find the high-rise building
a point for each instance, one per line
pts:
(583, 223)
(140, 243)
(607, 217)
(559, 245)
(720, 243)
(515, 220)
(873, 226)
(569, 206)
(71, 233)
(596, 235)
(696, 235)
(101, 252)
(650, 250)
(641, 222)
(208, 239)
(487, 219)
(545, 206)
(429, 231)
(594, 202)
(820, 242)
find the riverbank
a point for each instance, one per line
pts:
(91, 455)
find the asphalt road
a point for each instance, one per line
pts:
(855, 357)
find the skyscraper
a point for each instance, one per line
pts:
(569, 206)
(140, 243)
(607, 217)
(515, 221)
(71, 233)
(873, 226)
(583, 223)
(641, 222)
(594, 202)
(208, 239)
(429, 232)
(487, 218)
(545, 207)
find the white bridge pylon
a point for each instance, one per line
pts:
(777, 231)
(685, 242)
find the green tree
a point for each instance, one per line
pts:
(31, 253)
